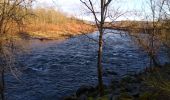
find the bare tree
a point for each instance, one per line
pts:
(149, 38)
(12, 16)
(166, 21)
(100, 18)
(156, 9)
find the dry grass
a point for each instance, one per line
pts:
(60, 31)
(52, 24)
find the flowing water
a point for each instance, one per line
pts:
(55, 69)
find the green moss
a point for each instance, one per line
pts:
(94, 94)
(103, 98)
(148, 96)
(159, 80)
(125, 96)
(128, 79)
(90, 98)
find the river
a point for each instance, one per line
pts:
(55, 69)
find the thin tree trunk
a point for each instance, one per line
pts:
(2, 85)
(1, 26)
(100, 49)
(99, 66)
(99, 23)
(155, 61)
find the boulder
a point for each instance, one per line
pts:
(83, 97)
(133, 89)
(84, 90)
(70, 98)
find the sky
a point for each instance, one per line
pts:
(76, 8)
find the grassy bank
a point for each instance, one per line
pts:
(150, 85)
(52, 24)
(62, 31)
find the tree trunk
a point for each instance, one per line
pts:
(1, 25)
(100, 49)
(155, 61)
(2, 84)
(99, 66)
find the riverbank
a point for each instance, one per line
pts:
(57, 32)
(152, 85)
(52, 24)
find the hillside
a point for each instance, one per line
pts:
(52, 24)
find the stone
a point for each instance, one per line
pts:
(114, 97)
(83, 97)
(133, 89)
(84, 90)
(70, 98)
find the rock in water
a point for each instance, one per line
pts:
(84, 90)
(70, 98)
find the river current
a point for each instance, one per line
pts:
(55, 69)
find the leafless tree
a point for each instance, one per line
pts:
(151, 42)
(12, 16)
(100, 17)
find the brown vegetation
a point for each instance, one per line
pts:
(52, 24)
(12, 14)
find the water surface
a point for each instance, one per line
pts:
(54, 69)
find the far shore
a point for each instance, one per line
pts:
(57, 32)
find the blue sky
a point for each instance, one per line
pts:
(75, 7)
